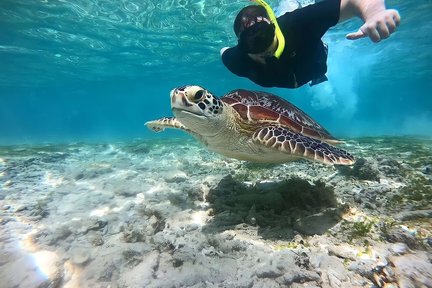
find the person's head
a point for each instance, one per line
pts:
(254, 30)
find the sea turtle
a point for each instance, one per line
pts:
(250, 125)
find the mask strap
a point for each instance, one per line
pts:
(279, 35)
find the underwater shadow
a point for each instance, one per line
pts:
(277, 210)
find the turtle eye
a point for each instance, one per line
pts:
(199, 94)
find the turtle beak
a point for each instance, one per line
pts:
(179, 99)
(180, 104)
(173, 96)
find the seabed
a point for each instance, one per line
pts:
(168, 213)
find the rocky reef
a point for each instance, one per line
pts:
(168, 213)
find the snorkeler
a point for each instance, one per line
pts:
(287, 51)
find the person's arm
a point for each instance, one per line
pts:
(241, 65)
(223, 50)
(379, 22)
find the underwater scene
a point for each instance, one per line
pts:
(130, 156)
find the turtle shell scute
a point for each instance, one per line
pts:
(261, 107)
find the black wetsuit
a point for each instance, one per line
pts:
(304, 58)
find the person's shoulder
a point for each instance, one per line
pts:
(315, 19)
(314, 9)
(293, 17)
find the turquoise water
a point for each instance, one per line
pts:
(90, 198)
(97, 70)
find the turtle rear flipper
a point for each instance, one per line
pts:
(285, 140)
(165, 122)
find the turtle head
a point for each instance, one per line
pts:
(198, 109)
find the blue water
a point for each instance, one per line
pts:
(96, 70)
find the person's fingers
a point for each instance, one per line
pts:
(379, 28)
(365, 31)
(391, 26)
(395, 16)
(383, 31)
(372, 32)
(374, 35)
(392, 21)
(355, 35)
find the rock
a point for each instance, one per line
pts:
(139, 149)
(296, 276)
(318, 223)
(390, 166)
(95, 225)
(60, 233)
(427, 170)
(226, 244)
(95, 239)
(343, 251)
(134, 233)
(413, 270)
(175, 177)
(268, 271)
(91, 172)
(413, 215)
(333, 272)
(399, 248)
(127, 191)
(399, 235)
(8, 183)
(132, 257)
(79, 255)
(20, 208)
(142, 274)
(302, 260)
(363, 169)
(370, 206)
(192, 227)
(363, 267)
(184, 254)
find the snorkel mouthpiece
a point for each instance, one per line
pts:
(278, 32)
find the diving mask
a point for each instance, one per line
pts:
(279, 35)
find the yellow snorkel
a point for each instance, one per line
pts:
(279, 35)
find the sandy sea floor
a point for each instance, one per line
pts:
(168, 213)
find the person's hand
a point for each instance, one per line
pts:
(379, 26)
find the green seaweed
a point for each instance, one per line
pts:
(416, 151)
(361, 229)
(417, 193)
(358, 229)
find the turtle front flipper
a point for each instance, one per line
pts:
(296, 144)
(166, 122)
